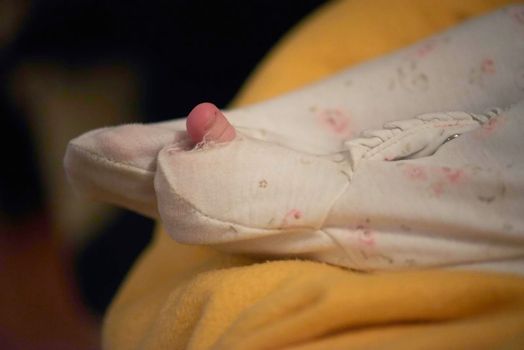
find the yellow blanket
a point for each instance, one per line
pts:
(182, 297)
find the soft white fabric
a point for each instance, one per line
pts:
(302, 179)
(375, 206)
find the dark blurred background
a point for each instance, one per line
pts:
(71, 66)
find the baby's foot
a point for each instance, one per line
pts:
(118, 164)
(206, 123)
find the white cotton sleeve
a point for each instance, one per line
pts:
(457, 204)
(369, 158)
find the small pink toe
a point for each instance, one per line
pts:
(207, 121)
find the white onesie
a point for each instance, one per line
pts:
(411, 160)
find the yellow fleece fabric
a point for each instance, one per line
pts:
(187, 297)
